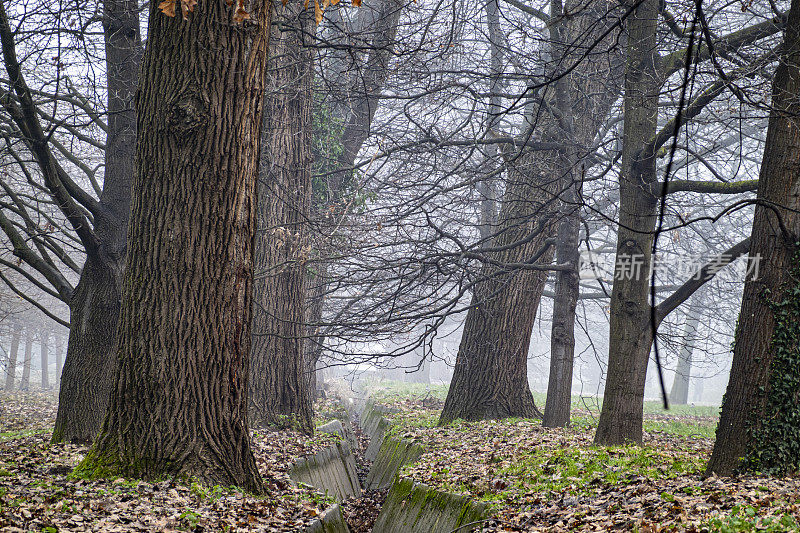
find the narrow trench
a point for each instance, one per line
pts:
(360, 513)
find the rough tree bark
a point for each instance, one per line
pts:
(562, 339)
(490, 379)
(89, 366)
(490, 375)
(630, 334)
(758, 427)
(179, 405)
(630, 337)
(279, 389)
(11, 367)
(25, 381)
(44, 360)
(679, 395)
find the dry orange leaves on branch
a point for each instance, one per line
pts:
(168, 7)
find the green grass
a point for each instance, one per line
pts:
(747, 518)
(656, 407)
(12, 435)
(398, 390)
(684, 428)
(577, 469)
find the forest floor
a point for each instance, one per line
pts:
(38, 494)
(534, 479)
(540, 479)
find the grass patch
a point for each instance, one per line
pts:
(746, 518)
(684, 428)
(389, 390)
(576, 470)
(656, 407)
(13, 435)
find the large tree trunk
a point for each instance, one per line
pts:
(490, 375)
(11, 367)
(90, 365)
(490, 379)
(679, 394)
(279, 388)
(630, 335)
(45, 363)
(25, 382)
(179, 405)
(88, 373)
(758, 427)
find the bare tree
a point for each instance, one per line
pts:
(758, 426)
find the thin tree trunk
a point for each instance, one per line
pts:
(562, 338)
(279, 388)
(699, 386)
(315, 340)
(25, 382)
(179, 405)
(487, 188)
(679, 395)
(11, 368)
(59, 360)
(89, 366)
(44, 361)
(630, 336)
(567, 286)
(758, 427)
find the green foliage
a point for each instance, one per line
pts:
(774, 443)
(581, 470)
(326, 145)
(333, 190)
(748, 518)
(191, 518)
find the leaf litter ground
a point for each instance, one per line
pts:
(539, 479)
(37, 493)
(534, 479)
